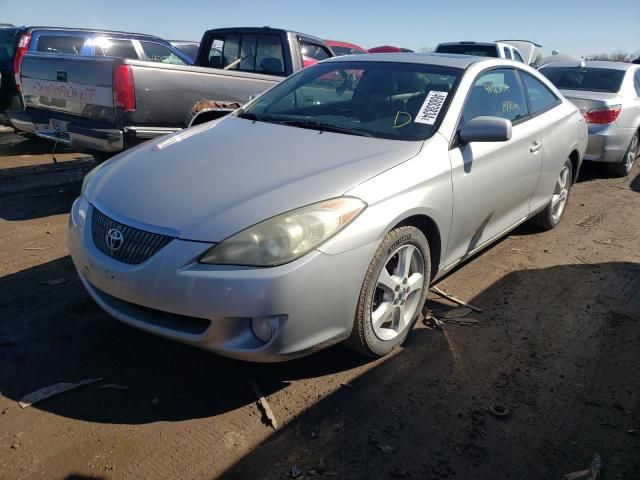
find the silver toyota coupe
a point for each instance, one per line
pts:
(322, 210)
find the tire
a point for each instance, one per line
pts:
(623, 168)
(552, 214)
(392, 299)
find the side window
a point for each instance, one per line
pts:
(110, 47)
(540, 97)
(313, 51)
(637, 82)
(496, 93)
(517, 56)
(156, 52)
(60, 44)
(507, 53)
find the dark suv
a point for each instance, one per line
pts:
(15, 42)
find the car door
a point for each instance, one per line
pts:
(492, 181)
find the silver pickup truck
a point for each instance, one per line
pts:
(106, 104)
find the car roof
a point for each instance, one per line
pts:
(593, 64)
(488, 44)
(92, 30)
(440, 59)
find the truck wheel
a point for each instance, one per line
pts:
(393, 292)
(623, 168)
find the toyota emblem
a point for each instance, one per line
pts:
(115, 239)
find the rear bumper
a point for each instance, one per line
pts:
(83, 134)
(608, 143)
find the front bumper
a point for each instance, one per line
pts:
(608, 143)
(211, 306)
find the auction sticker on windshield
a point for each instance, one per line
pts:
(431, 107)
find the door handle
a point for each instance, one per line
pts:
(535, 146)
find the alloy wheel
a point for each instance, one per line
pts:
(398, 292)
(560, 194)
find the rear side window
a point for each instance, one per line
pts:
(507, 53)
(155, 52)
(540, 97)
(110, 47)
(589, 79)
(258, 53)
(60, 44)
(637, 82)
(496, 93)
(469, 49)
(517, 56)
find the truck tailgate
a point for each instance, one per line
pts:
(69, 84)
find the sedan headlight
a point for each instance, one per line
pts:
(285, 237)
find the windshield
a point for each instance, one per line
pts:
(589, 79)
(7, 44)
(401, 101)
(469, 49)
(190, 49)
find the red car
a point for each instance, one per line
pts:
(388, 49)
(344, 48)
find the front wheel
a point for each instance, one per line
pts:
(393, 292)
(552, 214)
(623, 168)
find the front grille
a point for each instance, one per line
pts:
(132, 246)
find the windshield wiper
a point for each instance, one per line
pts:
(252, 116)
(325, 127)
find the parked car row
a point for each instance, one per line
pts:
(320, 210)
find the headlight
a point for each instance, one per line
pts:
(286, 237)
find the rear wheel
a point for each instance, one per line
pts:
(622, 169)
(393, 292)
(552, 214)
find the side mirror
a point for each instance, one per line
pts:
(486, 129)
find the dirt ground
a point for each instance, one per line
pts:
(557, 347)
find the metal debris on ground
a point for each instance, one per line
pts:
(262, 402)
(54, 282)
(113, 386)
(499, 410)
(431, 321)
(592, 473)
(453, 299)
(295, 471)
(52, 390)
(36, 248)
(383, 447)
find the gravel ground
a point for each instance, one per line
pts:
(556, 348)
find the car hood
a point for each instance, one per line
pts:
(215, 179)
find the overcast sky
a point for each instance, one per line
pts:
(572, 26)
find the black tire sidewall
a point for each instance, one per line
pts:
(392, 241)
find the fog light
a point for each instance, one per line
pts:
(265, 327)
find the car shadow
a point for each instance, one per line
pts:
(543, 381)
(56, 333)
(635, 184)
(36, 191)
(12, 144)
